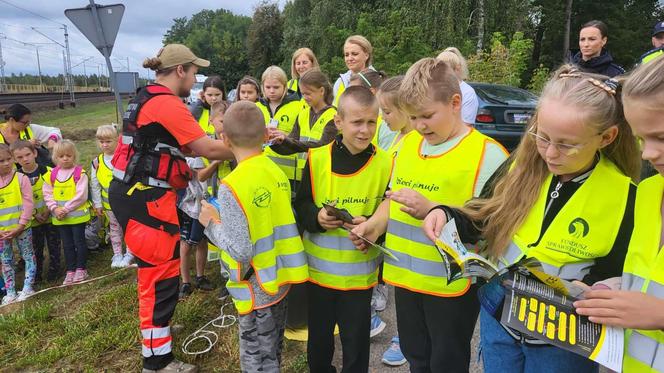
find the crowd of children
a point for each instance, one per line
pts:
(321, 170)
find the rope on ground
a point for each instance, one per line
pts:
(207, 336)
(65, 286)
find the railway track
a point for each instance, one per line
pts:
(29, 98)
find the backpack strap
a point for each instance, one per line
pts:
(77, 173)
(95, 164)
(54, 174)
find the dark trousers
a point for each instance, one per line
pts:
(150, 224)
(46, 235)
(73, 244)
(351, 310)
(435, 332)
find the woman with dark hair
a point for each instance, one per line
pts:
(592, 57)
(18, 126)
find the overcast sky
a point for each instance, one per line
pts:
(143, 26)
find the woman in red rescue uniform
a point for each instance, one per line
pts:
(149, 163)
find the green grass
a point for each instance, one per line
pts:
(94, 327)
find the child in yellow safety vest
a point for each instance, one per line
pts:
(261, 249)
(213, 91)
(638, 305)
(444, 162)
(25, 154)
(351, 174)
(313, 128)
(101, 174)
(66, 195)
(16, 212)
(552, 204)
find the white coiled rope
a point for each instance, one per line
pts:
(205, 336)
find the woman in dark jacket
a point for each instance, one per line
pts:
(592, 57)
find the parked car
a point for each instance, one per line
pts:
(504, 112)
(195, 92)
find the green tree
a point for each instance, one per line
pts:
(265, 37)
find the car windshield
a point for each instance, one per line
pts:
(505, 94)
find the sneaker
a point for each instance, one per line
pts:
(69, 278)
(377, 325)
(176, 366)
(204, 284)
(126, 260)
(80, 275)
(185, 290)
(25, 294)
(9, 298)
(116, 261)
(379, 297)
(223, 293)
(393, 355)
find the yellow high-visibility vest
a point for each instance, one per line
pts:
(334, 262)
(264, 194)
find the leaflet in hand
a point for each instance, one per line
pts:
(542, 312)
(459, 261)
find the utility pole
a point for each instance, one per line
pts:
(2, 71)
(41, 84)
(99, 75)
(71, 78)
(64, 62)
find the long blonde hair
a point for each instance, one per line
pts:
(307, 52)
(646, 83)
(503, 213)
(455, 59)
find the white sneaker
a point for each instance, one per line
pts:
(126, 260)
(25, 294)
(116, 261)
(379, 297)
(9, 298)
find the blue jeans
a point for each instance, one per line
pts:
(74, 246)
(502, 353)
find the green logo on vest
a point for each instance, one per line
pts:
(284, 119)
(262, 197)
(578, 228)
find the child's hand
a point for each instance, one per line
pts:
(41, 218)
(434, 223)
(356, 221)
(275, 136)
(414, 204)
(366, 230)
(59, 213)
(328, 222)
(208, 212)
(99, 211)
(11, 234)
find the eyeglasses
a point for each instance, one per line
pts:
(564, 149)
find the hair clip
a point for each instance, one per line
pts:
(612, 83)
(572, 74)
(603, 85)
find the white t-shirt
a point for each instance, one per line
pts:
(469, 103)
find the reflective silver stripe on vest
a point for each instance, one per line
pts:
(646, 350)
(632, 282)
(418, 265)
(512, 255)
(104, 198)
(281, 232)
(408, 232)
(655, 289)
(242, 293)
(9, 222)
(75, 213)
(40, 204)
(10, 210)
(342, 269)
(572, 271)
(290, 162)
(283, 261)
(330, 242)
